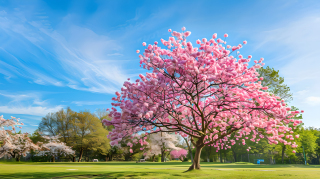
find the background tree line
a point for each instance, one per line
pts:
(309, 142)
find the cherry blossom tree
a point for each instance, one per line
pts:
(180, 154)
(206, 91)
(54, 148)
(160, 143)
(14, 145)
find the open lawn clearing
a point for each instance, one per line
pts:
(154, 170)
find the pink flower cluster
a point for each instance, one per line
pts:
(179, 153)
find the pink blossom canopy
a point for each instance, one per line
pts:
(207, 91)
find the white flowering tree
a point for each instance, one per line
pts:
(54, 148)
(13, 144)
(160, 143)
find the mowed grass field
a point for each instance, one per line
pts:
(154, 170)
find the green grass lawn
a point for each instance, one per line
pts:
(153, 170)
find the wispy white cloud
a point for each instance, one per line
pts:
(85, 103)
(17, 98)
(26, 103)
(313, 100)
(44, 80)
(29, 110)
(8, 70)
(115, 54)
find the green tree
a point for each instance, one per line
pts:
(103, 114)
(59, 123)
(48, 125)
(275, 83)
(83, 131)
(36, 137)
(316, 132)
(65, 120)
(308, 142)
(89, 134)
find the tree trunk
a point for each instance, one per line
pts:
(283, 149)
(18, 158)
(80, 156)
(234, 155)
(162, 156)
(210, 149)
(196, 161)
(127, 157)
(53, 159)
(191, 155)
(208, 155)
(306, 157)
(271, 159)
(189, 147)
(74, 159)
(225, 156)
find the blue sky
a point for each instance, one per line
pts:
(55, 54)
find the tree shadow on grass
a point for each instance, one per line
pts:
(228, 165)
(95, 163)
(79, 175)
